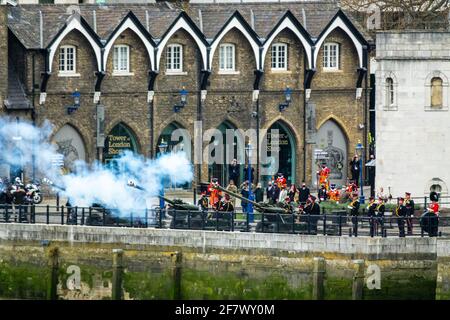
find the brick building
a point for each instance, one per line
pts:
(129, 64)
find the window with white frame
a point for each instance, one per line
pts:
(67, 59)
(331, 56)
(390, 92)
(279, 56)
(121, 59)
(174, 58)
(227, 57)
(436, 92)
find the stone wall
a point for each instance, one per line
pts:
(3, 56)
(166, 264)
(411, 136)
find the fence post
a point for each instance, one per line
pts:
(117, 274)
(189, 219)
(62, 215)
(324, 225)
(103, 216)
(47, 213)
(76, 215)
(262, 221)
(232, 221)
(318, 277)
(33, 214)
(178, 257)
(82, 216)
(340, 225)
(52, 285)
(358, 280)
(6, 212)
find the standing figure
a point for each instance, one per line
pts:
(312, 209)
(430, 219)
(234, 171)
(322, 194)
(259, 193)
(292, 192)
(401, 212)
(334, 194)
(203, 202)
(409, 204)
(232, 188)
(303, 194)
(281, 181)
(324, 173)
(354, 212)
(380, 213)
(214, 194)
(371, 213)
(354, 168)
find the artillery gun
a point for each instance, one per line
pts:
(275, 218)
(99, 216)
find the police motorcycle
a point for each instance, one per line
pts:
(34, 192)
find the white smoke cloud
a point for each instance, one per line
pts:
(93, 183)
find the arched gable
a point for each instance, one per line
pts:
(238, 22)
(183, 22)
(75, 23)
(288, 21)
(341, 21)
(132, 23)
(338, 122)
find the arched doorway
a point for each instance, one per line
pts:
(219, 169)
(331, 150)
(283, 158)
(177, 140)
(118, 140)
(70, 144)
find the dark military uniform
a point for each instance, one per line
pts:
(312, 209)
(401, 212)
(409, 204)
(380, 209)
(203, 202)
(354, 211)
(371, 212)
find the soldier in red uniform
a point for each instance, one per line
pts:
(281, 181)
(324, 173)
(214, 194)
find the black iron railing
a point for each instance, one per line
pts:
(336, 223)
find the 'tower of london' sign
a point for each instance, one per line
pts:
(116, 144)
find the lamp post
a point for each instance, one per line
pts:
(183, 100)
(287, 99)
(248, 150)
(76, 102)
(162, 149)
(360, 152)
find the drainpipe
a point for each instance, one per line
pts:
(33, 113)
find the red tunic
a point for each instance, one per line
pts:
(434, 207)
(214, 195)
(281, 182)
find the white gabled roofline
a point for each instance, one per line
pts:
(74, 24)
(181, 24)
(129, 24)
(339, 23)
(287, 24)
(235, 23)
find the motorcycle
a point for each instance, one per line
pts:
(34, 192)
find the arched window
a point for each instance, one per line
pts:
(436, 92)
(67, 59)
(331, 56)
(174, 58)
(389, 92)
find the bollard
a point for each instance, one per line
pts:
(117, 274)
(318, 277)
(52, 284)
(178, 257)
(358, 280)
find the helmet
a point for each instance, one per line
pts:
(17, 180)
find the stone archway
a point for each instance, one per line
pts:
(118, 140)
(69, 142)
(331, 149)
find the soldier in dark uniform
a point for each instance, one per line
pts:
(203, 202)
(225, 205)
(322, 194)
(380, 209)
(312, 209)
(371, 213)
(409, 204)
(354, 212)
(401, 212)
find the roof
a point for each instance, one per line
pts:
(16, 98)
(24, 20)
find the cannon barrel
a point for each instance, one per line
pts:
(258, 206)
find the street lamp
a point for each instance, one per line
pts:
(248, 150)
(76, 102)
(162, 149)
(287, 99)
(360, 152)
(183, 102)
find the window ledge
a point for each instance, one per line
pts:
(331, 70)
(283, 71)
(122, 74)
(436, 109)
(226, 72)
(390, 108)
(176, 73)
(68, 74)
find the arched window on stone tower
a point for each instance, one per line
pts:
(390, 101)
(436, 92)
